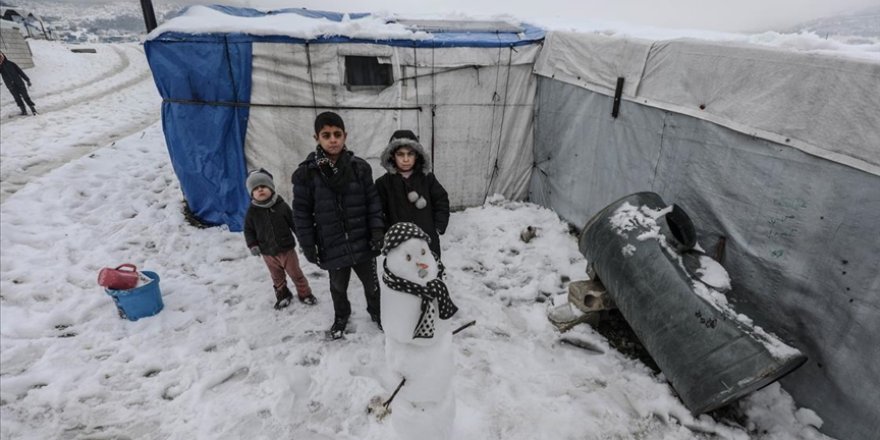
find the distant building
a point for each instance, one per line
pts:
(13, 44)
(32, 26)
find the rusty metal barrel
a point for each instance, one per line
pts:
(709, 355)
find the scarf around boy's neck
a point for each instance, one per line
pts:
(337, 174)
(268, 203)
(435, 289)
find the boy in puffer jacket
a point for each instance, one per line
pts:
(409, 191)
(267, 231)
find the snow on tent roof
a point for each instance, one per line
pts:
(233, 24)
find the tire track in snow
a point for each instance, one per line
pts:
(34, 146)
(62, 99)
(123, 63)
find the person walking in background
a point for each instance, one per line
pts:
(338, 218)
(267, 232)
(409, 190)
(15, 80)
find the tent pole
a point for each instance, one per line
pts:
(149, 15)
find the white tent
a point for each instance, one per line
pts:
(776, 157)
(464, 87)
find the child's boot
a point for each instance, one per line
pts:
(282, 297)
(308, 298)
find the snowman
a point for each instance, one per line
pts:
(418, 339)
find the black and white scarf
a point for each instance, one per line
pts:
(338, 174)
(435, 289)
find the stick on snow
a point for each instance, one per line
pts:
(382, 410)
(463, 327)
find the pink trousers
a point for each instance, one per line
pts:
(287, 263)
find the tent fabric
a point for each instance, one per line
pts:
(471, 111)
(801, 232)
(310, 13)
(254, 25)
(205, 142)
(816, 104)
(468, 94)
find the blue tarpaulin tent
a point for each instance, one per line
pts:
(206, 82)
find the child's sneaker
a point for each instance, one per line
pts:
(338, 328)
(309, 300)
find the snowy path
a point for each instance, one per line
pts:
(40, 93)
(78, 119)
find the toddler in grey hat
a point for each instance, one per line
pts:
(268, 232)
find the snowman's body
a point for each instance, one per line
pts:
(424, 408)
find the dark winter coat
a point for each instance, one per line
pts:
(13, 76)
(270, 228)
(339, 224)
(433, 218)
(393, 189)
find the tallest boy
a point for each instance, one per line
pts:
(338, 217)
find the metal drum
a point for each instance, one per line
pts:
(710, 357)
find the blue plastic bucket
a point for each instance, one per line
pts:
(139, 302)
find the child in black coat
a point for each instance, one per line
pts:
(409, 191)
(267, 231)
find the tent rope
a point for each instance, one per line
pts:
(660, 151)
(311, 79)
(253, 104)
(501, 125)
(416, 80)
(433, 106)
(495, 98)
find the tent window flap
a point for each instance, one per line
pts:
(371, 72)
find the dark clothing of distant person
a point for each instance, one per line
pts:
(15, 80)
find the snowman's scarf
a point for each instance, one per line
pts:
(435, 289)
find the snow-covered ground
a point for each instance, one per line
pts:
(85, 101)
(219, 362)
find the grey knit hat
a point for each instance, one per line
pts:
(257, 178)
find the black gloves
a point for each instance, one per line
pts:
(311, 254)
(377, 239)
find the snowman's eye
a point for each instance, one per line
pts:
(408, 257)
(423, 251)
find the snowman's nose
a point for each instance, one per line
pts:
(422, 265)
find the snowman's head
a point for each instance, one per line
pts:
(407, 254)
(413, 261)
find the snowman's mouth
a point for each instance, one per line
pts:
(423, 273)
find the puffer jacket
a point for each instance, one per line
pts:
(339, 224)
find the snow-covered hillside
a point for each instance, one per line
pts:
(85, 21)
(88, 183)
(86, 101)
(864, 23)
(856, 33)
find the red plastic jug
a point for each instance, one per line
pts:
(123, 277)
